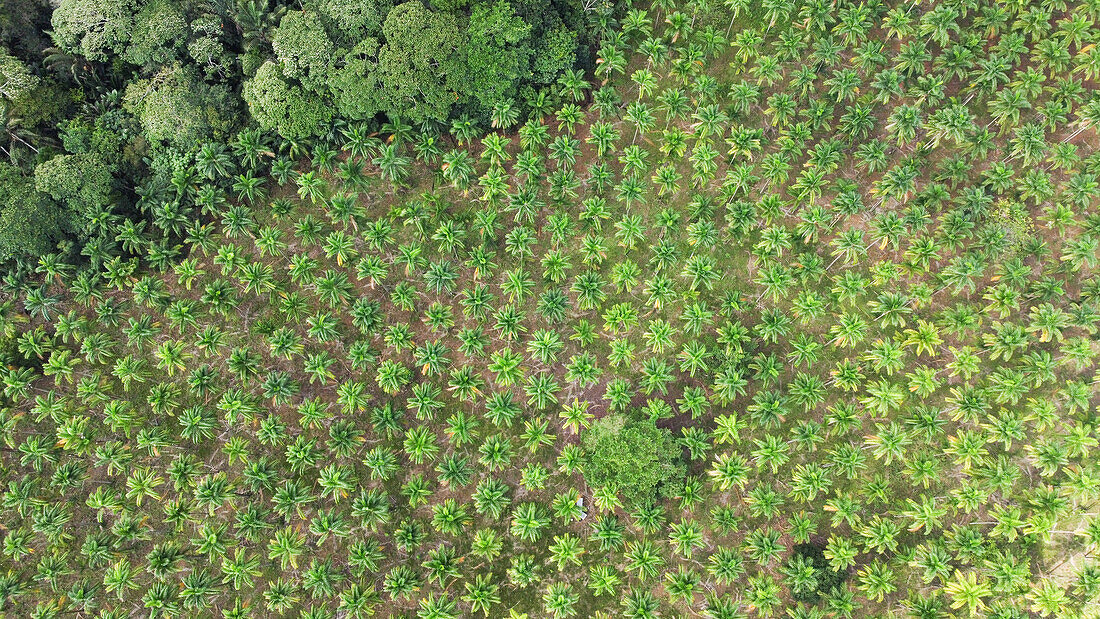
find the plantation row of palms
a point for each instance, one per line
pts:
(844, 254)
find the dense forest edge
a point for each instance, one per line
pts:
(105, 103)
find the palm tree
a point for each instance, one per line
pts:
(528, 520)
(420, 444)
(640, 115)
(567, 548)
(685, 537)
(541, 389)
(213, 161)
(495, 452)
(119, 577)
(463, 129)
(667, 179)
(39, 303)
(559, 600)
(392, 376)
(393, 165)
(428, 149)
(345, 209)
(573, 84)
(359, 141)
(458, 168)
(606, 101)
(504, 115)
(482, 594)
(398, 130)
(967, 591)
(604, 136)
(442, 607)
(495, 149)
(609, 61)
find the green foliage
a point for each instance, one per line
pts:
(280, 105)
(214, 52)
(96, 29)
(497, 53)
(354, 82)
(177, 106)
(303, 49)
(29, 221)
(419, 66)
(557, 52)
(1012, 219)
(16, 80)
(22, 27)
(418, 63)
(353, 20)
(105, 137)
(822, 579)
(159, 35)
(82, 184)
(641, 462)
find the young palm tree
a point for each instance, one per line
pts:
(528, 520)
(504, 114)
(393, 165)
(560, 600)
(482, 594)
